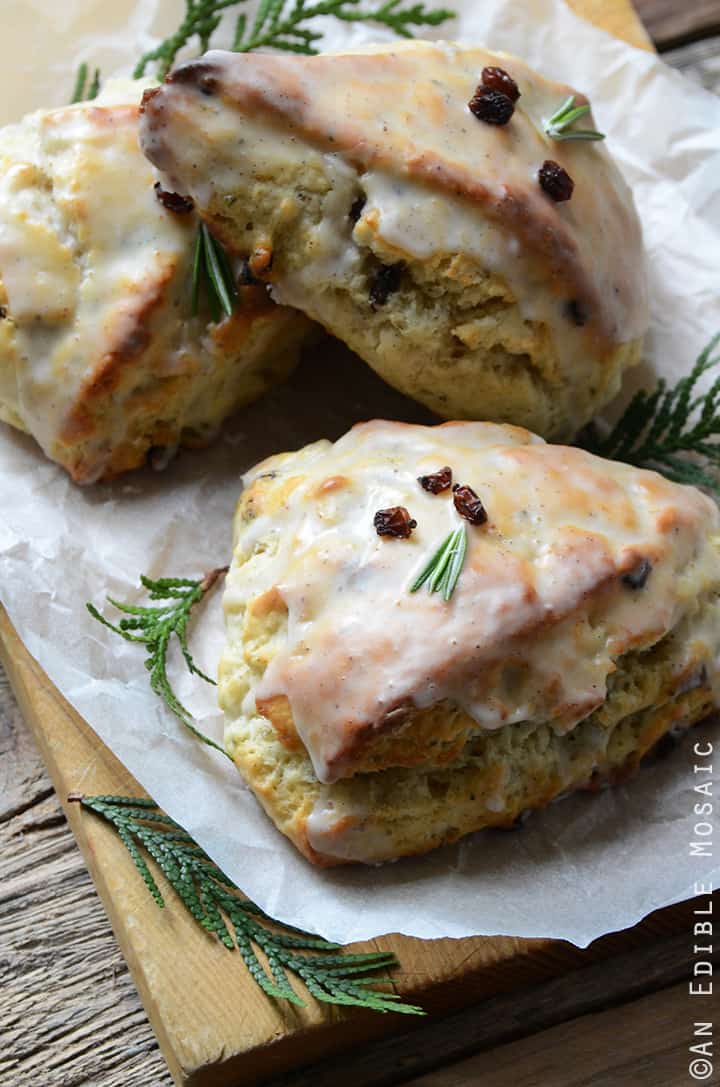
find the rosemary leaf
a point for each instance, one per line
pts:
(94, 88)
(197, 270)
(81, 91)
(558, 127)
(442, 564)
(579, 134)
(457, 561)
(155, 627)
(211, 269)
(675, 430)
(218, 270)
(217, 906)
(431, 565)
(445, 566)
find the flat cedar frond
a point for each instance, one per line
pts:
(675, 430)
(283, 24)
(155, 627)
(215, 903)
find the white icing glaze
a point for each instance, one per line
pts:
(539, 613)
(341, 832)
(438, 181)
(80, 228)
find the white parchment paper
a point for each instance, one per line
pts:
(588, 865)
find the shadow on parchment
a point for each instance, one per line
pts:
(330, 390)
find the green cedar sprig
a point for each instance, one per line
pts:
(674, 430)
(84, 91)
(212, 271)
(559, 126)
(445, 566)
(155, 627)
(282, 24)
(218, 907)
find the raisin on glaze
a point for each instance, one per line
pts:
(469, 505)
(491, 106)
(555, 181)
(500, 80)
(436, 482)
(395, 521)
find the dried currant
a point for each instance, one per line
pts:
(555, 181)
(637, 577)
(500, 80)
(245, 277)
(469, 505)
(491, 106)
(576, 312)
(174, 201)
(395, 521)
(357, 208)
(384, 283)
(437, 481)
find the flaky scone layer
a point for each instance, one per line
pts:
(101, 359)
(363, 188)
(372, 722)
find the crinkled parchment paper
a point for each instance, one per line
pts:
(583, 867)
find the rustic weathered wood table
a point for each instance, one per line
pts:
(70, 1013)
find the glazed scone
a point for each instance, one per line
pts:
(100, 357)
(365, 190)
(373, 722)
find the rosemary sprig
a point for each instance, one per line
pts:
(445, 566)
(558, 127)
(217, 906)
(282, 24)
(155, 627)
(674, 430)
(211, 269)
(82, 91)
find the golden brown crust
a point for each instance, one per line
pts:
(374, 722)
(413, 812)
(501, 303)
(101, 358)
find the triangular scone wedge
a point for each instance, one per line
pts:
(365, 190)
(372, 721)
(102, 359)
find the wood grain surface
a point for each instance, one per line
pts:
(619, 982)
(618, 17)
(642, 1044)
(74, 1018)
(71, 1015)
(671, 23)
(214, 1026)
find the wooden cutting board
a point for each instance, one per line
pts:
(213, 1024)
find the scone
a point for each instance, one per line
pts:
(101, 359)
(441, 247)
(372, 721)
